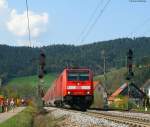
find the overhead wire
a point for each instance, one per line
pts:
(95, 21)
(91, 18)
(148, 30)
(28, 21)
(139, 27)
(145, 32)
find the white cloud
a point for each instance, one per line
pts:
(3, 7)
(3, 4)
(17, 24)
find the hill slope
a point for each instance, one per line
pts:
(23, 61)
(115, 78)
(32, 80)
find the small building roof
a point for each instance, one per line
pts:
(1, 96)
(121, 89)
(146, 84)
(117, 92)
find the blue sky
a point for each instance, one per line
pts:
(61, 21)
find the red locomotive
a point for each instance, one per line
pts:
(73, 87)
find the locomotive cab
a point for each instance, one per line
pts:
(79, 88)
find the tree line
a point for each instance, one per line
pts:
(23, 61)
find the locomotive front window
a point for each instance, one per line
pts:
(78, 76)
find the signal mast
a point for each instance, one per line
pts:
(130, 64)
(130, 71)
(41, 73)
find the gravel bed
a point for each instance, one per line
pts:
(79, 119)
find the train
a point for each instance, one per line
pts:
(73, 88)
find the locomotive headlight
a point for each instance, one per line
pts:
(88, 92)
(69, 92)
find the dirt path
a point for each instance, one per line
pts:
(7, 115)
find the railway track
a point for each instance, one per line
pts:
(125, 115)
(121, 119)
(131, 121)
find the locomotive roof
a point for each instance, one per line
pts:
(77, 69)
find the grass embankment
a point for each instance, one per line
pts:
(33, 117)
(22, 119)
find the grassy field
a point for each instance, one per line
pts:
(114, 79)
(26, 86)
(32, 80)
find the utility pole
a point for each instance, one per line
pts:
(0, 82)
(28, 21)
(104, 64)
(105, 67)
(105, 79)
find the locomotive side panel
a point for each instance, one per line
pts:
(60, 89)
(49, 96)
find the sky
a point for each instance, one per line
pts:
(62, 21)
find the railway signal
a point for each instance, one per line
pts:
(42, 63)
(130, 64)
